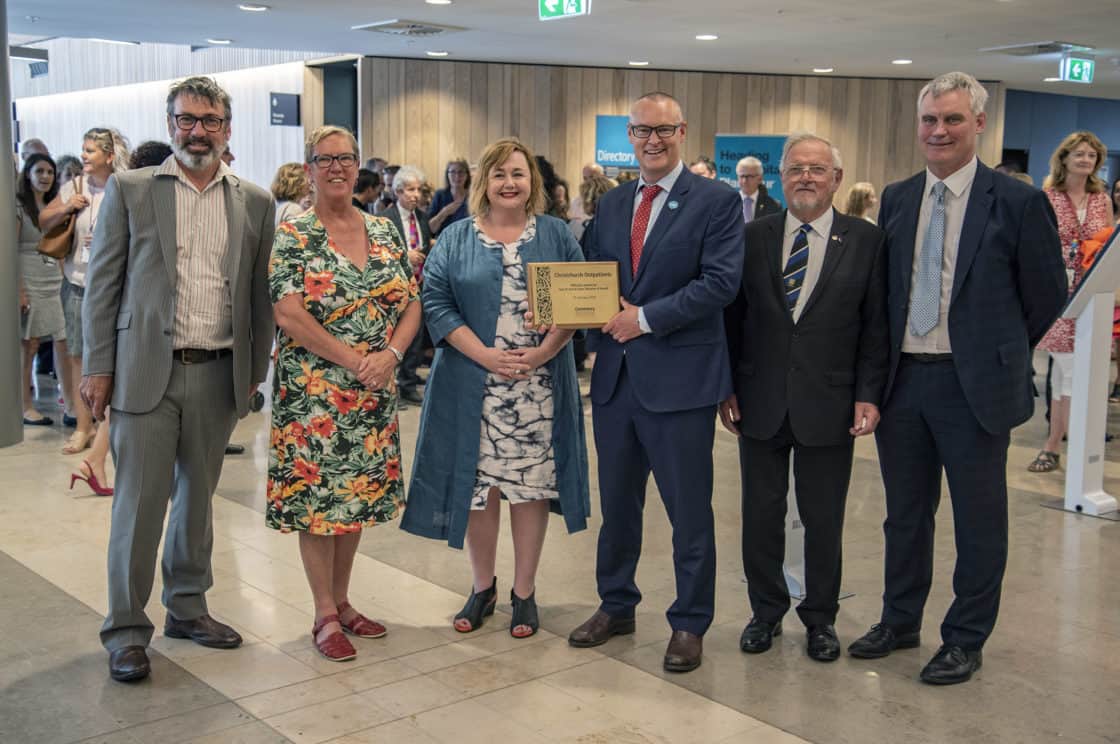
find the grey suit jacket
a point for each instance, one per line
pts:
(129, 308)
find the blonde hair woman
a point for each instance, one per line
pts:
(862, 200)
(1083, 206)
(292, 191)
(104, 152)
(519, 382)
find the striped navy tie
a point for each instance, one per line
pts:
(794, 274)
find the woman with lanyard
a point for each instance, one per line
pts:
(104, 152)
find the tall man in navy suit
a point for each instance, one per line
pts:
(975, 277)
(662, 368)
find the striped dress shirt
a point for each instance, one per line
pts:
(203, 301)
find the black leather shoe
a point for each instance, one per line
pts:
(129, 664)
(759, 635)
(823, 645)
(235, 449)
(881, 640)
(205, 631)
(952, 665)
(684, 651)
(412, 395)
(598, 629)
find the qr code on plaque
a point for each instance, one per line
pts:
(542, 288)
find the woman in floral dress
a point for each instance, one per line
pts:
(346, 306)
(1083, 206)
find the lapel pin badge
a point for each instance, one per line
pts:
(674, 204)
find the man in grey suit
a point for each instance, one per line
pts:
(177, 327)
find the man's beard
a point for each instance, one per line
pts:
(195, 161)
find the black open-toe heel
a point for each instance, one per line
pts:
(479, 605)
(524, 614)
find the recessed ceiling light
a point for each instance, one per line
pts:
(438, 2)
(638, 63)
(114, 41)
(1051, 80)
(822, 70)
(436, 54)
(253, 7)
(706, 37)
(222, 42)
(902, 61)
(31, 19)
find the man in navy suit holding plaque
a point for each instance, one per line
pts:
(661, 371)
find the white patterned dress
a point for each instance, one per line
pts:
(515, 447)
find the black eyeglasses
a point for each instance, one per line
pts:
(346, 160)
(664, 131)
(186, 122)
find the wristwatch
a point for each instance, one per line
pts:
(397, 354)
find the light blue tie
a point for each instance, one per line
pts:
(925, 297)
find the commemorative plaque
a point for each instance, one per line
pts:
(573, 294)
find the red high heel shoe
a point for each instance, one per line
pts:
(91, 481)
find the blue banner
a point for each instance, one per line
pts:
(612, 143)
(731, 148)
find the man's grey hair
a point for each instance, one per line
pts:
(406, 175)
(950, 81)
(749, 161)
(200, 87)
(658, 96)
(798, 137)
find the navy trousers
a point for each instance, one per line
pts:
(928, 425)
(677, 447)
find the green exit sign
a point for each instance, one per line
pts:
(1077, 70)
(553, 9)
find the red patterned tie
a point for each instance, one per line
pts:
(641, 222)
(413, 232)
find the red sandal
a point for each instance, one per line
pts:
(361, 625)
(335, 646)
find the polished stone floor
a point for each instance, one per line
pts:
(1051, 672)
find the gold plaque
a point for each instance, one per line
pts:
(573, 294)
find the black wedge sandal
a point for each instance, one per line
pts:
(524, 614)
(479, 605)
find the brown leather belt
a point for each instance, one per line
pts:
(927, 358)
(198, 356)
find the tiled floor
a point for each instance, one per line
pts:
(1051, 671)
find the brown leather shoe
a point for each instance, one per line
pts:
(684, 651)
(129, 664)
(598, 630)
(204, 630)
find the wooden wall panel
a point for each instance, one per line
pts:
(426, 112)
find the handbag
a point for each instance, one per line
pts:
(59, 240)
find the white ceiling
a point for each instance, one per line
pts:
(856, 38)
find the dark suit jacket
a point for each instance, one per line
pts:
(690, 270)
(765, 204)
(836, 354)
(1008, 287)
(394, 216)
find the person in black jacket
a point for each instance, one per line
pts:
(808, 341)
(756, 202)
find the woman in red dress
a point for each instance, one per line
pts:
(1083, 206)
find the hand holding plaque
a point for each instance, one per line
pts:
(573, 294)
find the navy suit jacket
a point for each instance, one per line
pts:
(1008, 288)
(690, 270)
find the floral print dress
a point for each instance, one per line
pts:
(335, 463)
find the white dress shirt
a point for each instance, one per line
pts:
(666, 183)
(958, 186)
(818, 239)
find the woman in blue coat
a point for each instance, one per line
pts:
(502, 417)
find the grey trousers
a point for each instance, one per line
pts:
(173, 452)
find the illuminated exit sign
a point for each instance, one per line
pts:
(553, 9)
(1077, 69)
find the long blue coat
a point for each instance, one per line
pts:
(463, 286)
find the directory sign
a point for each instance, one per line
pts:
(612, 142)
